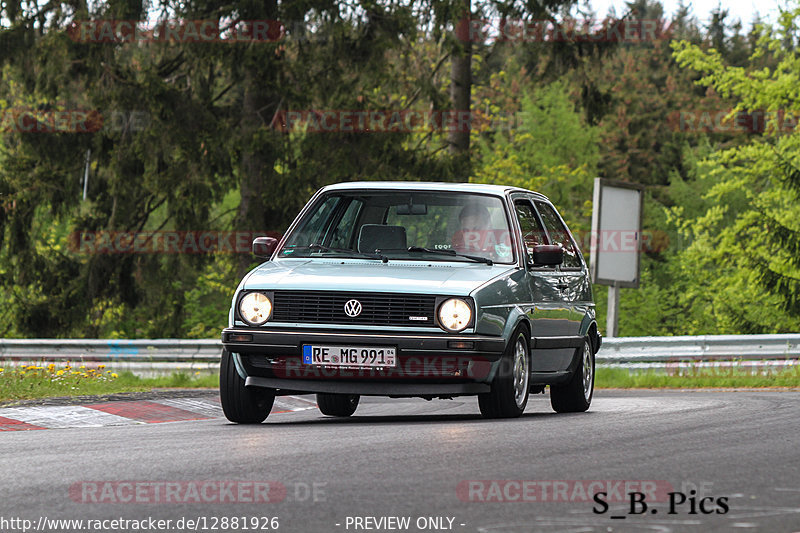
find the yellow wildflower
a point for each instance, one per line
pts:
(114, 375)
(59, 373)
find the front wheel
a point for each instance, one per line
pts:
(241, 404)
(510, 388)
(337, 404)
(576, 396)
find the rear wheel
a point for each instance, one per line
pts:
(241, 404)
(576, 396)
(337, 404)
(510, 388)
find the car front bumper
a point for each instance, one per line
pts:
(428, 364)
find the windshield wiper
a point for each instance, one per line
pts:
(323, 248)
(452, 253)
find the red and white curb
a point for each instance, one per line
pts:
(125, 413)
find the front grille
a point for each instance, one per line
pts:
(377, 309)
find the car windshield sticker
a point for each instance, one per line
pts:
(502, 250)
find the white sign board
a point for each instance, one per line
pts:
(616, 239)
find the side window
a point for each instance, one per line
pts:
(532, 232)
(559, 235)
(343, 232)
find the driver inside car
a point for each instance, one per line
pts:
(475, 234)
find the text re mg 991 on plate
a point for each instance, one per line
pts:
(362, 356)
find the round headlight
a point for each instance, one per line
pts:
(455, 314)
(255, 308)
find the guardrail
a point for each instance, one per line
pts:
(701, 351)
(145, 357)
(160, 356)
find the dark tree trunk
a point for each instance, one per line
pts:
(461, 84)
(254, 168)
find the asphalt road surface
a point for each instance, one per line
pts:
(720, 461)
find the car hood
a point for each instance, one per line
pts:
(419, 277)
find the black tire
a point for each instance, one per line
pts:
(511, 385)
(241, 404)
(576, 395)
(337, 404)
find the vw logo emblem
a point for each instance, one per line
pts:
(352, 308)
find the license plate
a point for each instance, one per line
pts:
(362, 356)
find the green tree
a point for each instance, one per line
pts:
(549, 149)
(745, 250)
(209, 137)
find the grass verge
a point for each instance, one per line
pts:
(32, 382)
(697, 378)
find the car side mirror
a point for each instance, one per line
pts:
(547, 255)
(264, 246)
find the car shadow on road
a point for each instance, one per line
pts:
(412, 419)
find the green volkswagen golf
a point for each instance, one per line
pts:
(414, 289)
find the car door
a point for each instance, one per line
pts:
(550, 316)
(572, 275)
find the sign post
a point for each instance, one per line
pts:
(612, 317)
(616, 241)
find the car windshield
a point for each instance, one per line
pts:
(404, 225)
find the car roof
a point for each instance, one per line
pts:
(479, 188)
